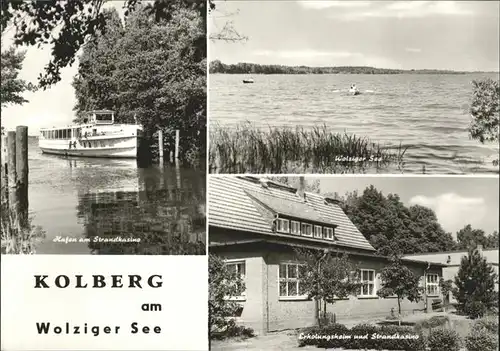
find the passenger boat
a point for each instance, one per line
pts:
(98, 136)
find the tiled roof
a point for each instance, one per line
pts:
(231, 206)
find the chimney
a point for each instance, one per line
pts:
(302, 188)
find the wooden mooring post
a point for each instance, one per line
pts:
(11, 170)
(174, 154)
(15, 187)
(22, 170)
(177, 146)
(160, 145)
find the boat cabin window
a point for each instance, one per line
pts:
(103, 117)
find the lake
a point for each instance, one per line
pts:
(426, 113)
(87, 205)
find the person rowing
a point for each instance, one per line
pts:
(354, 90)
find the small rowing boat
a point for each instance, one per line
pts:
(248, 81)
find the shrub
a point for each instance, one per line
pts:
(327, 340)
(474, 309)
(223, 282)
(325, 336)
(488, 323)
(332, 330)
(481, 339)
(234, 330)
(414, 344)
(361, 330)
(444, 340)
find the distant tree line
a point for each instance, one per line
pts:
(252, 68)
(393, 228)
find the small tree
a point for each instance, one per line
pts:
(223, 284)
(446, 287)
(12, 86)
(485, 109)
(399, 280)
(475, 285)
(326, 277)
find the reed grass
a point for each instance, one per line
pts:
(248, 149)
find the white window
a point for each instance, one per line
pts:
(295, 227)
(283, 225)
(367, 287)
(239, 268)
(432, 284)
(306, 229)
(289, 281)
(317, 231)
(327, 233)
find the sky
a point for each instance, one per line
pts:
(49, 108)
(455, 35)
(457, 201)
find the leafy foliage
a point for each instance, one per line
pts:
(482, 338)
(222, 284)
(399, 280)
(443, 339)
(11, 86)
(327, 277)
(475, 285)
(485, 110)
(488, 323)
(468, 238)
(391, 227)
(65, 26)
(152, 71)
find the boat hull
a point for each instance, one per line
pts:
(108, 153)
(98, 147)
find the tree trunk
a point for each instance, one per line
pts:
(318, 301)
(399, 310)
(324, 309)
(318, 315)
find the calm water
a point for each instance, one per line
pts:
(427, 113)
(75, 198)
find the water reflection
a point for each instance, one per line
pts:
(163, 214)
(84, 199)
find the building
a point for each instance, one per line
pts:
(255, 224)
(452, 259)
